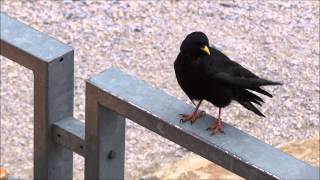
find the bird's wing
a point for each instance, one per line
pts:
(243, 81)
(219, 67)
(230, 72)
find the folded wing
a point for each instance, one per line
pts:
(242, 80)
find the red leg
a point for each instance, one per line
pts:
(217, 126)
(193, 116)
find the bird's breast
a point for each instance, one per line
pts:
(190, 82)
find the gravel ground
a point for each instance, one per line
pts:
(276, 39)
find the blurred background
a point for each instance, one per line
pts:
(277, 40)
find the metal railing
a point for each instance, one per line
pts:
(52, 64)
(112, 96)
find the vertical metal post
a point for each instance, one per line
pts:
(53, 101)
(105, 140)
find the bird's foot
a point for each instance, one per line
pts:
(214, 128)
(192, 117)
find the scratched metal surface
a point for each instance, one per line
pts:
(238, 151)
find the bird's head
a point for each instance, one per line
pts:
(196, 43)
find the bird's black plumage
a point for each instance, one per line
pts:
(212, 76)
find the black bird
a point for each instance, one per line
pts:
(205, 73)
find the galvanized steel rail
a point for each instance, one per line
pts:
(52, 64)
(121, 95)
(112, 96)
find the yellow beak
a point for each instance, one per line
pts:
(206, 50)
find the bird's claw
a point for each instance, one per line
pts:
(215, 129)
(182, 120)
(192, 117)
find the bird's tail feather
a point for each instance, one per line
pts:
(251, 107)
(256, 82)
(262, 91)
(245, 97)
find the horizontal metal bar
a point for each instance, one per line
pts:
(157, 111)
(70, 133)
(25, 45)
(12, 178)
